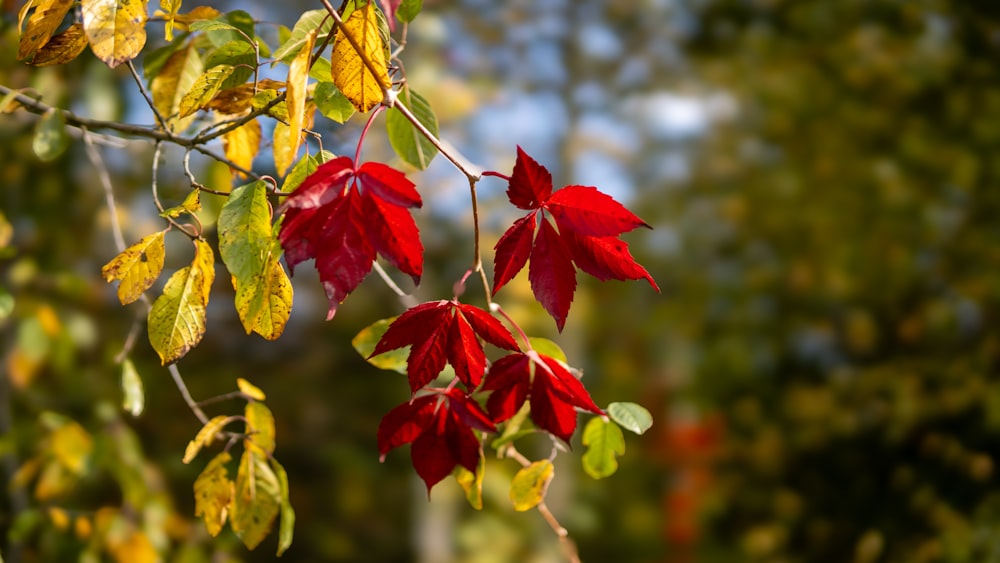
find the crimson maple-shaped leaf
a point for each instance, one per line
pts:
(344, 217)
(552, 391)
(587, 226)
(440, 427)
(444, 331)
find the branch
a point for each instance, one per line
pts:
(567, 543)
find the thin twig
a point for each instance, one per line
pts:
(147, 97)
(405, 298)
(109, 195)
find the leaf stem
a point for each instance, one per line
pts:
(364, 133)
(496, 174)
(527, 342)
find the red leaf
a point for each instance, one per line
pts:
(589, 223)
(440, 332)
(551, 273)
(512, 251)
(552, 391)
(530, 184)
(440, 427)
(345, 218)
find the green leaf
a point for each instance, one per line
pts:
(287, 527)
(134, 399)
(308, 21)
(137, 267)
(604, 441)
(632, 417)
(408, 142)
(547, 347)
(51, 138)
(251, 252)
(213, 493)
(257, 500)
(366, 340)
(152, 62)
(408, 9)
(238, 54)
(240, 27)
(332, 103)
(527, 489)
(260, 426)
(204, 89)
(320, 70)
(190, 205)
(176, 321)
(264, 97)
(516, 426)
(472, 483)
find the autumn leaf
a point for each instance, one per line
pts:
(440, 332)
(440, 427)
(344, 217)
(137, 267)
(205, 436)
(349, 72)
(213, 494)
(552, 391)
(61, 48)
(170, 8)
(257, 499)
(42, 24)
(173, 81)
(527, 488)
(585, 236)
(177, 318)
(204, 89)
(286, 146)
(241, 145)
(260, 427)
(116, 29)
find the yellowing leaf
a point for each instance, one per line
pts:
(527, 489)
(604, 441)
(204, 89)
(176, 321)
(71, 446)
(205, 436)
(287, 513)
(472, 483)
(198, 13)
(213, 493)
(366, 340)
(349, 72)
(260, 423)
(238, 100)
(249, 389)
(116, 29)
(62, 48)
(51, 139)
(296, 94)
(241, 144)
(47, 17)
(134, 548)
(171, 7)
(251, 253)
(175, 79)
(59, 518)
(133, 398)
(137, 267)
(54, 481)
(257, 499)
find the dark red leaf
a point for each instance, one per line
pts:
(551, 273)
(465, 353)
(530, 184)
(512, 251)
(345, 218)
(508, 378)
(606, 258)
(587, 211)
(404, 423)
(488, 327)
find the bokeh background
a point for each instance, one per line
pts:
(822, 181)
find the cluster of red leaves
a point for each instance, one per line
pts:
(587, 225)
(345, 216)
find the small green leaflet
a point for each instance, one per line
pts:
(548, 348)
(632, 417)
(332, 103)
(408, 142)
(408, 9)
(190, 205)
(133, 400)
(238, 54)
(287, 526)
(366, 340)
(51, 139)
(605, 442)
(204, 89)
(308, 22)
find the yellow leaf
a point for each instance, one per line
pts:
(71, 446)
(249, 389)
(260, 424)
(176, 321)
(238, 100)
(296, 90)
(198, 13)
(213, 493)
(47, 17)
(59, 518)
(174, 80)
(54, 481)
(137, 267)
(133, 397)
(204, 89)
(527, 489)
(472, 483)
(116, 29)
(135, 548)
(171, 8)
(283, 155)
(266, 305)
(350, 74)
(257, 500)
(205, 436)
(62, 48)
(241, 144)
(25, 473)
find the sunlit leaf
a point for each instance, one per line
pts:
(366, 340)
(133, 397)
(631, 416)
(135, 547)
(472, 483)
(249, 389)
(287, 527)
(176, 78)
(190, 205)
(286, 148)
(527, 489)
(257, 500)
(137, 267)
(239, 99)
(605, 442)
(241, 145)
(408, 10)
(177, 319)
(408, 142)
(332, 103)
(264, 98)
(204, 89)
(116, 29)
(170, 7)
(42, 23)
(62, 48)
(350, 74)
(240, 55)
(51, 138)
(547, 347)
(71, 446)
(260, 423)
(213, 493)
(205, 436)
(312, 20)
